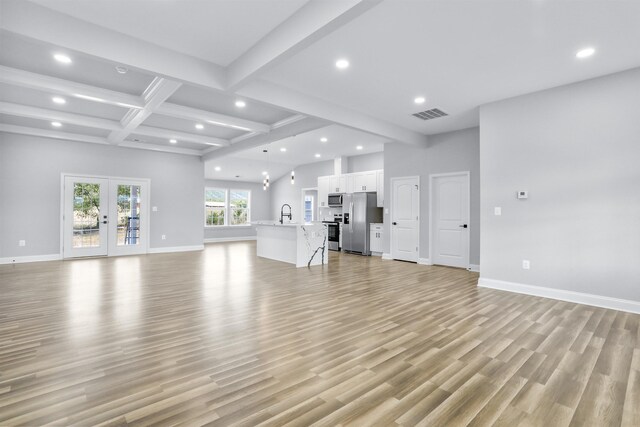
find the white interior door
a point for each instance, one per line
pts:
(86, 202)
(405, 214)
(450, 220)
(105, 216)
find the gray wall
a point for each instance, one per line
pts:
(366, 162)
(260, 209)
(282, 191)
(576, 149)
(30, 171)
(448, 152)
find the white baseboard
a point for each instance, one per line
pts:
(176, 249)
(474, 267)
(229, 239)
(424, 261)
(31, 258)
(559, 294)
(386, 256)
(376, 254)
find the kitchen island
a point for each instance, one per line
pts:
(301, 244)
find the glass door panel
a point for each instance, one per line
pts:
(85, 216)
(129, 209)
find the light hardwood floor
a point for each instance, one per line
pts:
(221, 337)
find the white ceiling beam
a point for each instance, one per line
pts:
(54, 115)
(154, 95)
(282, 97)
(155, 147)
(36, 22)
(216, 119)
(310, 23)
(49, 133)
(301, 126)
(57, 86)
(180, 136)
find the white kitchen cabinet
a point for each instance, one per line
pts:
(324, 187)
(361, 182)
(338, 184)
(380, 188)
(375, 239)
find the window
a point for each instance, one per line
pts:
(226, 207)
(308, 208)
(239, 206)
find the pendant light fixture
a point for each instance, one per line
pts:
(293, 177)
(265, 181)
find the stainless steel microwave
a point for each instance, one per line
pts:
(335, 199)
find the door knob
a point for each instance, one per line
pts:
(394, 223)
(463, 226)
(104, 222)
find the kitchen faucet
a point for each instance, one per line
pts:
(282, 214)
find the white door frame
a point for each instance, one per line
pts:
(431, 179)
(146, 209)
(391, 181)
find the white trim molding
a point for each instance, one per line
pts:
(229, 239)
(562, 295)
(424, 261)
(176, 249)
(30, 258)
(386, 257)
(474, 267)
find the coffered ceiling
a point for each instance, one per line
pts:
(184, 63)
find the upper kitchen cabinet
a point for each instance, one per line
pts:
(362, 182)
(324, 188)
(338, 184)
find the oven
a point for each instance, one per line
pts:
(333, 233)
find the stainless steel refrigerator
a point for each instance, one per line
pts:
(359, 210)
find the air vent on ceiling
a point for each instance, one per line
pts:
(433, 113)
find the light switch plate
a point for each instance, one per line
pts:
(155, 209)
(497, 211)
(526, 265)
(522, 194)
(22, 243)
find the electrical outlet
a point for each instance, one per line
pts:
(526, 265)
(22, 243)
(164, 237)
(497, 211)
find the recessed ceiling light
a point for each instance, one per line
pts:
(121, 70)
(359, 147)
(56, 124)
(62, 58)
(264, 173)
(341, 64)
(585, 53)
(283, 149)
(173, 141)
(317, 155)
(199, 126)
(217, 168)
(419, 100)
(323, 139)
(59, 100)
(241, 104)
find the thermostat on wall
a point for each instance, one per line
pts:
(523, 194)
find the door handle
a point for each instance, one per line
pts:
(463, 226)
(104, 222)
(394, 223)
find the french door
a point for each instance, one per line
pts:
(104, 216)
